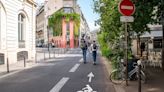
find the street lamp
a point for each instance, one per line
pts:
(162, 22)
(46, 22)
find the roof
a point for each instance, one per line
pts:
(153, 34)
(156, 31)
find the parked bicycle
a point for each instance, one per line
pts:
(118, 76)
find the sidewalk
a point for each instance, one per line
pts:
(155, 80)
(19, 66)
(15, 67)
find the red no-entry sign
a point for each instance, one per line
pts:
(126, 7)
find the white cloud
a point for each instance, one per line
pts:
(92, 26)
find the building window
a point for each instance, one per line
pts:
(157, 43)
(21, 25)
(67, 10)
(21, 30)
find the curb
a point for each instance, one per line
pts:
(27, 67)
(17, 71)
(118, 88)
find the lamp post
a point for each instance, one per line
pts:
(162, 22)
(48, 40)
(47, 27)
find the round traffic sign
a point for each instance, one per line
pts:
(126, 7)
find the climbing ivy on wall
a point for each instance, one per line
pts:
(55, 22)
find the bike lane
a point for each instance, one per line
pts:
(79, 79)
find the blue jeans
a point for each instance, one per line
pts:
(94, 54)
(84, 54)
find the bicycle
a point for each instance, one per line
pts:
(118, 76)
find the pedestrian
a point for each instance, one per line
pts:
(83, 46)
(94, 48)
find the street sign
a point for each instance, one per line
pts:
(126, 7)
(126, 18)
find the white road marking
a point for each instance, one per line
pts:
(87, 89)
(126, 7)
(81, 60)
(73, 69)
(90, 75)
(59, 85)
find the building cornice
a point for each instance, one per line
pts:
(32, 2)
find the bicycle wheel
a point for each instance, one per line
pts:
(116, 77)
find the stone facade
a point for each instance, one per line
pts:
(17, 29)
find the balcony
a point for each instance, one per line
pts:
(21, 44)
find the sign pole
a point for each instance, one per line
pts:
(126, 54)
(126, 8)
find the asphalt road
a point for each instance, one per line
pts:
(63, 74)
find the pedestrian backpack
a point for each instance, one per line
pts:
(94, 46)
(82, 45)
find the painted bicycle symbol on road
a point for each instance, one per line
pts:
(87, 89)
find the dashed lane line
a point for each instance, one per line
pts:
(81, 60)
(59, 85)
(74, 68)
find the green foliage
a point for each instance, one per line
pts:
(144, 14)
(55, 22)
(147, 12)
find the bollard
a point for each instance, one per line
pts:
(61, 50)
(44, 56)
(8, 65)
(65, 50)
(58, 51)
(139, 75)
(49, 54)
(54, 53)
(36, 57)
(24, 61)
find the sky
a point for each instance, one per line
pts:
(87, 9)
(89, 14)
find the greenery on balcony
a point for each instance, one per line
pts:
(55, 22)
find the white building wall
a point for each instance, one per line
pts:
(2, 28)
(13, 8)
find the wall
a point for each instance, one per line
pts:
(13, 8)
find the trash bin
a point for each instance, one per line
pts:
(131, 63)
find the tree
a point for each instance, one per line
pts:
(147, 12)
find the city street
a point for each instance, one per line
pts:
(66, 73)
(42, 43)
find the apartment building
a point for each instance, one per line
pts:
(17, 30)
(40, 27)
(67, 6)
